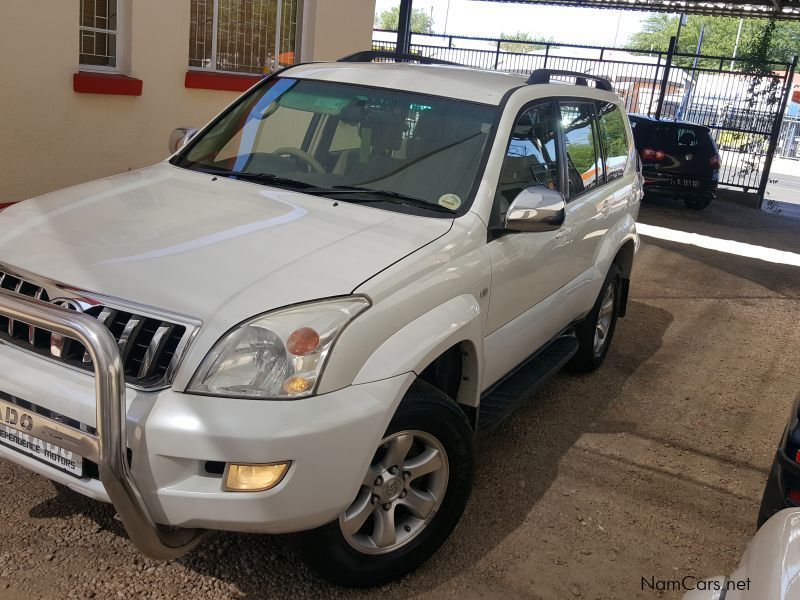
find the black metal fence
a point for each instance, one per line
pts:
(740, 102)
(789, 138)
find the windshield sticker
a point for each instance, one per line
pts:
(450, 201)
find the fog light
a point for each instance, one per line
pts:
(254, 478)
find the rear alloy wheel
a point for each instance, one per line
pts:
(597, 329)
(410, 499)
(605, 316)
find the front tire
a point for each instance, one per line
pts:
(411, 498)
(597, 330)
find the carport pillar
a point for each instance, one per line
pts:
(403, 45)
(775, 133)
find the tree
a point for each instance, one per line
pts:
(421, 22)
(720, 36)
(521, 42)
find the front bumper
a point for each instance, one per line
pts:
(329, 439)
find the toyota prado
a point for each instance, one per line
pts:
(302, 319)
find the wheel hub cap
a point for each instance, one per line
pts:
(390, 490)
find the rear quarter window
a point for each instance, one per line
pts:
(614, 137)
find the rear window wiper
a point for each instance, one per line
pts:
(380, 196)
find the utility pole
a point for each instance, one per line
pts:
(687, 96)
(616, 33)
(738, 37)
(682, 20)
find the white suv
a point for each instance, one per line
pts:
(300, 322)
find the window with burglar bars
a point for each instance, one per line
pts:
(242, 36)
(100, 33)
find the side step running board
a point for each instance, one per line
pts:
(505, 397)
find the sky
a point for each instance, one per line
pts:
(593, 27)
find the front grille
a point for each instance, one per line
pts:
(149, 346)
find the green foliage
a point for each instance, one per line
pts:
(780, 40)
(421, 22)
(517, 42)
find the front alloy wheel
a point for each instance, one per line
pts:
(400, 495)
(410, 499)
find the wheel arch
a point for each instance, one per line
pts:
(443, 347)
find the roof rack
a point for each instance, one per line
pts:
(370, 55)
(544, 75)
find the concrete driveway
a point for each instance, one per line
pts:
(651, 467)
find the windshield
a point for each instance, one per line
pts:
(348, 140)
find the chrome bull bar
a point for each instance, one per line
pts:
(109, 447)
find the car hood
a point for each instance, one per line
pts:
(208, 248)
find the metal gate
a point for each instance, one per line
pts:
(789, 138)
(741, 103)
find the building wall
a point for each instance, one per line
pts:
(52, 136)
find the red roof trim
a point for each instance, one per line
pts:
(85, 82)
(202, 80)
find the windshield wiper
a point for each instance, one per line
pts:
(257, 177)
(380, 196)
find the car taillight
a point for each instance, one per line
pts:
(716, 162)
(652, 155)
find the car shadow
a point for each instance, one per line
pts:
(67, 503)
(517, 465)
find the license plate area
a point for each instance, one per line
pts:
(47, 436)
(45, 452)
(685, 182)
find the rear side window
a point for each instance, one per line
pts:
(584, 161)
(615, 140)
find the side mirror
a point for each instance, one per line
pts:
(536, 209)
(180, 137)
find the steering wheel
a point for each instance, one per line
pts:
(312, 163)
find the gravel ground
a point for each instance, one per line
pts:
(652, 466)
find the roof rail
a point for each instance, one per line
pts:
(370, 55)
(544, 75)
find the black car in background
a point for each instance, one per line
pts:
(783, 485)
(679, 160)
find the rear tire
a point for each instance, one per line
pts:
(697, 202)
(355, 550)
(597, 329)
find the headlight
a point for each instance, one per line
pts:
(277, 355)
